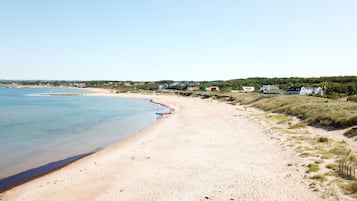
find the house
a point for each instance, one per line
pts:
(294, 90)
(306, 91)
(192, 88)
(162, 86)
(270, 89)
(212, 88)
(248, 89)
(311, 91)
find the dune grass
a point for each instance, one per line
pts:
(312, 110)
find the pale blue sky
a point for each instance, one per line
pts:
(179, 40)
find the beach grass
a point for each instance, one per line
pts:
(313, 168)
(312, 110)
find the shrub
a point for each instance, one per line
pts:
(323, 139)
(319, 177)
(332, 167)
(351, 133)
(313, 168)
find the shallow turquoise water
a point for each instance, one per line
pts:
(36, 129)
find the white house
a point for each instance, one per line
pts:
(309, 91)
(248, 89)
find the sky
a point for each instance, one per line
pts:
(150, 40)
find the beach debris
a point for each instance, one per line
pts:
(164, 113)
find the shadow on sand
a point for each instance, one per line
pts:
(22, 177)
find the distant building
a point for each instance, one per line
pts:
(248, 89)
(270, 89)
(162, 86)
(212, 88)
(310, 91)
(294, 90)
(79, 85)
(306, 91)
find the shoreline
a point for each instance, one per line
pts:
(188, 147)
(28, 175)
(23, 177)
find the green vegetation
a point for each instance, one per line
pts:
(332, 166)
(280, 118)
(312, 109)
(323, 139)
(334, 87)
(313, 168)
(319, 177)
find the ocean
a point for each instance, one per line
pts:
(40, 132)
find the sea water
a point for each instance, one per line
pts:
(37, 128)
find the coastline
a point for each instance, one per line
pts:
(119, 172)
(32, 173)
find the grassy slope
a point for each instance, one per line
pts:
(313, 110)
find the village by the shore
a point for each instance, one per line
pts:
(205, 150)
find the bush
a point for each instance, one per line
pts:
(332, 167)
(313, 168)
(323, 139)
(319, 177)
(351, 133)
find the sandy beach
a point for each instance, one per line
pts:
(205, 150)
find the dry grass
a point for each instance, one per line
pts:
(314, 110)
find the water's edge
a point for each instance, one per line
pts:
(20, 178)
(28, 175)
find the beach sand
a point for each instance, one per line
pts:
(205, 150)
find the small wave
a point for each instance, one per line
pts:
(37, 94)
(54, 94)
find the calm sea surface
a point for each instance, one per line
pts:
(37, 129)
